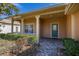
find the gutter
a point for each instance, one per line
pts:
(69, 8)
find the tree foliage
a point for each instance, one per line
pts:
(8, 9)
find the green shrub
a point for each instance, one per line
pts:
(9, 36)
(32, 38)
(71, 46)
(2, 36)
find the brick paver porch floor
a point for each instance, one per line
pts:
(49, 47)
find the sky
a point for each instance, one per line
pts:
(28, 7)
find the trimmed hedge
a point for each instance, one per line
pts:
(9, 36)
(71, 46)
(32, 38)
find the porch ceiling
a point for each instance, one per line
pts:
(56, 15)
(46, 16)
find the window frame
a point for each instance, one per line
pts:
(28, 25)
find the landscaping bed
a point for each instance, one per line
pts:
(16, 44)
(71, 47)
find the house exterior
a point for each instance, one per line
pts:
(5, 26)
(54, 22)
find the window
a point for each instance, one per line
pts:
(29, 28)
(0, 30)
(16, 29)
(3, 26)
(54, 27)
(0, 25)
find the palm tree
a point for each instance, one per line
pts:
(8, 9)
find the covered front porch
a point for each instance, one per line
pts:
(48, 23)
(43, 25)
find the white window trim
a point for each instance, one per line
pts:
(30, 24)
(51, 30)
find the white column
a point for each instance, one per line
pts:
(37, 28)
(22, 26)
(12, 22)
(73, 26)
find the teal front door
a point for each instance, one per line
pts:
(54, 30)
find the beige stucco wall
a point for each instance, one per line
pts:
(68, 25)
(76, 25)
(46, 27)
